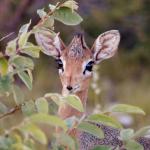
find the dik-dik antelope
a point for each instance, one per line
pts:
(75, 64)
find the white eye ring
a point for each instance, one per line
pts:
(86, 72)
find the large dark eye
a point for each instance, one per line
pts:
(59, 64)
(89, 67)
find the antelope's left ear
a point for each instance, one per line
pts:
(105, 45)
(51, 45)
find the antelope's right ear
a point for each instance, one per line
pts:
(52, 46)
(105, 45)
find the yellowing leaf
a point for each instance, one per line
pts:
(3, 66)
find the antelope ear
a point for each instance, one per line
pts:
(51, 45)
(105, 45)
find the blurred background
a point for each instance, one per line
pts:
(123, 79)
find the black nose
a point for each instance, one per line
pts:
(69, 88)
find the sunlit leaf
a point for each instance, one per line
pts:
(23, 38)
(66, 16)
(26, 79)
(92, 129)
(3, 108)
(74, 102)
(133, 145)
(126, 134)
(42, 105)
(48, 119)
(104, 119)
(18, 95)
(52, 7)
(41, 13)
(127, 109)
(3, 66)
(28, 108)
(35, 132)
(25, 28)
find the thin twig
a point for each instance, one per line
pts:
(8, 35)
(11, 111)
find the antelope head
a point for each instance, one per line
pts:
(76, 60)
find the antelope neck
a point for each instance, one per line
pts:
(67, 111)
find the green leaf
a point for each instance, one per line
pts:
(31, 50)
(66, 140)
(23, 38)
(42, 105)
(75, 102)
(24, 28)
(26, 79)
(127, 109)
(48, 119)
(3, 108)
(66, 16)
(22, 62)
(92, 129)
(102, 148)
(142, 132)
(126, 134)
(3, 66)
(20, 146)
(28, 108)
(5, 84)
(55, 97)
(11, 48)
(35, 132)
(73, 5)
(41, 13)
(18, 95)
(133, 145)
(104, 119)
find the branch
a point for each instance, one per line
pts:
(10, 112)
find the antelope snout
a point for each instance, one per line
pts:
(69, 88)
